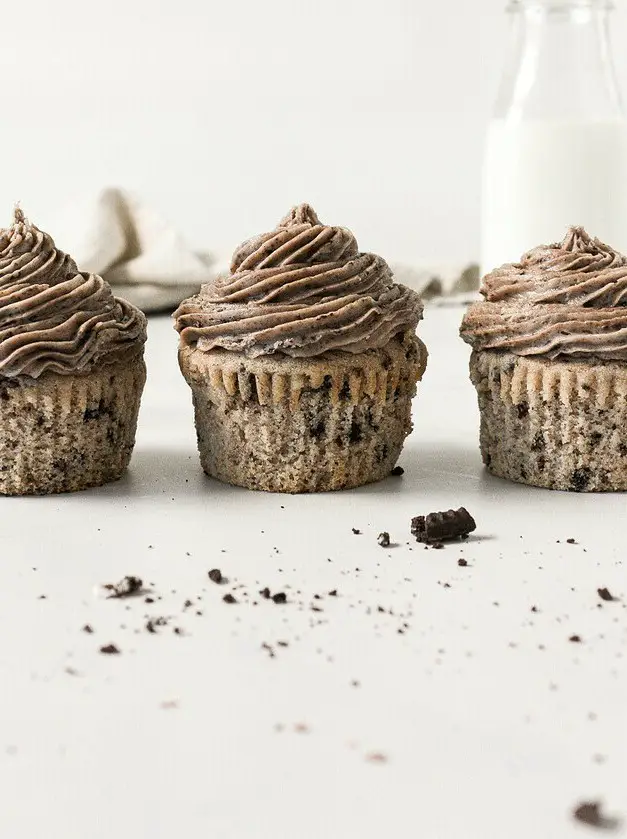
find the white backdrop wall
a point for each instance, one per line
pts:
(223, 114)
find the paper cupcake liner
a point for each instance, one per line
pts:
(555, 424)
(303, 425)
(65, 433)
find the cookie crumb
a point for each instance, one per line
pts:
(216, 576)
(153, 623)
(126, 587)
(384, 539)
(449, 524)
(590, 813)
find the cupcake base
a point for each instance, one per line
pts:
(554, 424)
(303, 425)
(67, 433)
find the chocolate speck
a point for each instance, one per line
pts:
(228, 598)
(571, 541)
(109, 649)
(397, 471)
(88, 628)
(463, 563)
(215, 575)
(576, 639)
(356, 531)
(279, 597)
(605, 594)
(590, 813)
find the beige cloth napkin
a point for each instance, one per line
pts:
(145, 259)
(444, 285)
(149, 263)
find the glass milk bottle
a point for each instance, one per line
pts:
(556, 151)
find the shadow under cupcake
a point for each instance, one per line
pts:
(302, 362)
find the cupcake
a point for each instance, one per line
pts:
(71, 370)
(302, 362)
(549, 363)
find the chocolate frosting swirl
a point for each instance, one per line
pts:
(53, 317)
(302, 289)
(562, 300)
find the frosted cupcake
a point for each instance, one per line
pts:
(71, 370)
(302, 362)
(549, 363)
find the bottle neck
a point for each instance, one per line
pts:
(560, 63)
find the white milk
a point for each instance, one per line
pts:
(542, 176)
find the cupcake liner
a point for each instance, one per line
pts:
(303, 425)
(554, 424)
(64, 433)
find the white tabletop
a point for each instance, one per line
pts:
(478, 720)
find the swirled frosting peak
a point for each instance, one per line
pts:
(562, 300)
(301, 289)
(52, 316)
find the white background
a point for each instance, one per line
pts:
(223, 114)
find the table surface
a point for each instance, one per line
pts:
(424, 700)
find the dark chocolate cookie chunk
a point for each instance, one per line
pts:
(450, 524)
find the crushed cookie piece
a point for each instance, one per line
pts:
(153, 623)
(384, 539)
(590, 813)
(449, 524)
(127, 587)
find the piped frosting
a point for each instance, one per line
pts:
(54, 317)
(562, 300)
(302, 289)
